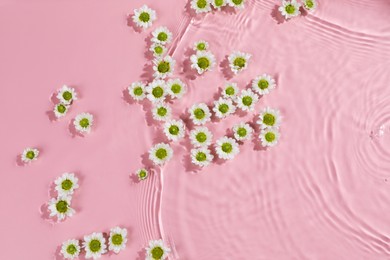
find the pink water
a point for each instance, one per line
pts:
(322, 193)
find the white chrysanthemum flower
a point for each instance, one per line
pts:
(137, 90)
(174, 129)
(142, 174)
(269, 117)
(201, 136)
(309, 5)
(162, 35)
(94, 245)
(29, 155)
(60, 110)
(269, 137)
(247, 100)
(163, 67)
(161, 111)
(201, 156)
(156, 91)
(226, 148)
(66, 184)
(176, 88)
(218, 3)
(144, 17)
(160, 153)
(201, 6)
(202, 61)
(263, 84)
(201, 45)
(66, 95)
(230, 90)
(200, 114)
(238, 61)
(157, 250)
(237, 3)
(158, 50)
(118, 239)
(242, 131)
(83, 122)
(289, 9)
(223, 107)
(60, 207)
(70, 249)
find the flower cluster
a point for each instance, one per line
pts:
(95, 244)
(158, 91)
(204, 6)
(269, 122)
(203, 59)
(291, 8)
(60, 207)
(65, 96)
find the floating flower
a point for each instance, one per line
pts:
(94, 245)
(29, 155)
(66, 95)
(162, 35)
(158, 49)
(200, 113)
(269, 117)
(66, 184)
(137, 90)
(201, 6)
(161, 111)
(230, 90)
(202, 61)
(174, 129)
(309, 5)
(164, 67)
(201, 156)
(269, 137)
(226, 148)
(201, 46)
(142, 174)
(218, 3)
(289, 9)
(238, 61)
(201, 136)
(144, 17)
(176, 88)
(247, 100)
(60, 207)
(157, 250)
(223, 107)
(70, 249)
(83, 122)
(236, 3)
(263, 84)
(160, 153)
(60, 110)
(156, 91)
(242, 131)
(118, 239)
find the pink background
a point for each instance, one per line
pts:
(322, 193)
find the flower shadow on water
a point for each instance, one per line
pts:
(276, 15)
(141, 254)
(226, 71)
(50, 114)
(188, 72)
(19, 161)
(131, 23)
